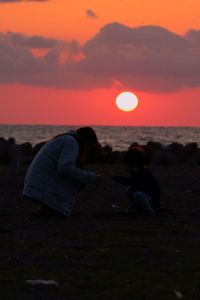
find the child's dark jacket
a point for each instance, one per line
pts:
(143, 180)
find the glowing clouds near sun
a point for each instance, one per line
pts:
(126, 101)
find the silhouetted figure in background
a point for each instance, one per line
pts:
(56, 173)
(144, 191)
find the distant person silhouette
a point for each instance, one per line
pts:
(56, 174)
(144, 190)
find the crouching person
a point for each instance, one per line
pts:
(144, 190)
(56, 173)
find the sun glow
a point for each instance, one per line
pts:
(126, 101)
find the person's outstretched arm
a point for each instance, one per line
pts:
(123, 180)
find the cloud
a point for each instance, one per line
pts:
(91, 14)
(146, 58)
(193, 37)
(19, 40)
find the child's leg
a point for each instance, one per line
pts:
(142, 203)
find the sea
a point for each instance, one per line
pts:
(118, 137)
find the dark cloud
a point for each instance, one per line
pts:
(91, 14)
(147, 58)
(19, 40)
(193, 36)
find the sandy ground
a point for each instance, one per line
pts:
(100, 252)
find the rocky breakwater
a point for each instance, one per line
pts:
(16, 155)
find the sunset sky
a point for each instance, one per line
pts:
(65, 62)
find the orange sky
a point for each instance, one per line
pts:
(152, 65)
(57, 18)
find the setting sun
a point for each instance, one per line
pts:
(126, 101)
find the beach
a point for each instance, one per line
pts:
(100, 252)
(109, 87)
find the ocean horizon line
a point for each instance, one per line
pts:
(119, 137)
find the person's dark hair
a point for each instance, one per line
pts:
(86, 135)
(134, 158)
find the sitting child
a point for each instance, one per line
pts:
(144, 191)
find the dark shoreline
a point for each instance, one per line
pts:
(156, 154)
